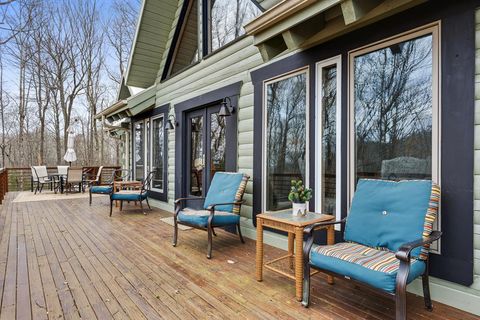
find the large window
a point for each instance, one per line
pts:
(186, 51)
(285, 134)
(394, 104)
(227, 18)
(158, 153)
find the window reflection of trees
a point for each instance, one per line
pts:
(393, 111)
(139, 151)
(228, 18)
(197, 161)
(285, 138)
(329, 114)
(158, 153)
(217, 144)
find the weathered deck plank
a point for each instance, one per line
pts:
(64, 259)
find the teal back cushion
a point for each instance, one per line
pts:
(223, 189)
(387, 213)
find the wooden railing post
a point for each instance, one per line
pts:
(3, 187)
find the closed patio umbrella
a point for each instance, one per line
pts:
(70, 154)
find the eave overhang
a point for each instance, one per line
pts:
(299, 24)
(112, 113)
(151, 37)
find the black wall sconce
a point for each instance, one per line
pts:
(227, 108)
(171, 123)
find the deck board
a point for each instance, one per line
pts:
(64, 259)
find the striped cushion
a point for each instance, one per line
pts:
(240, 193)
(430, 217)
(378, 268)
(373, 259)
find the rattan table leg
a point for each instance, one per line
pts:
(330, 241)
(298, 263)
(291, 238)
(259, 265)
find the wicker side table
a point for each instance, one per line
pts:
(291, 264)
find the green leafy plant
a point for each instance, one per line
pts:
(298, 192)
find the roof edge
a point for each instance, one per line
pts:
(132, 51)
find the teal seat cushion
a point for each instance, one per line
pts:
(377, 268)
(200, 217)
(388, 214)
(100, 189)
(223, 189)
(130, 196)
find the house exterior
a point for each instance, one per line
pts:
(327, 91)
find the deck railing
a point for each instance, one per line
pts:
(20, 178)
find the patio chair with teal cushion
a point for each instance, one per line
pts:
(107, 188)
(387, 236)
(221, 207)
(133, 195)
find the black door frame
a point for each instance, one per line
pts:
(204, 101)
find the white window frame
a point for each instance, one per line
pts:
(160, 116)
(303, 70)
(434, 30)
(337, 62)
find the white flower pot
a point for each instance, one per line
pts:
(299, 209)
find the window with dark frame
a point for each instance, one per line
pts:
(226, 19)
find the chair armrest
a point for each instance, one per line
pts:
(313, 227)
(212, 207)
(403, 253)
(310, 230)
(177, 201)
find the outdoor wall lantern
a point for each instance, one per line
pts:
(171, 123)
(226, 109)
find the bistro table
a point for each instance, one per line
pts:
(293, 225)
(126, 184)
(61, 180)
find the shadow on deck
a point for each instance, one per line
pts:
(62, 258)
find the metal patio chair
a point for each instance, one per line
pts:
(220, 208)
(93, 179)
(40, 177)
(133, 195)
(387, 235)
(74, 178)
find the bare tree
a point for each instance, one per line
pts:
(120, 36)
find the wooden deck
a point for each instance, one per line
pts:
(63, 259)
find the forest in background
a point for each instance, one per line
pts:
(61, 61)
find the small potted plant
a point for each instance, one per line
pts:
(299, 195)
